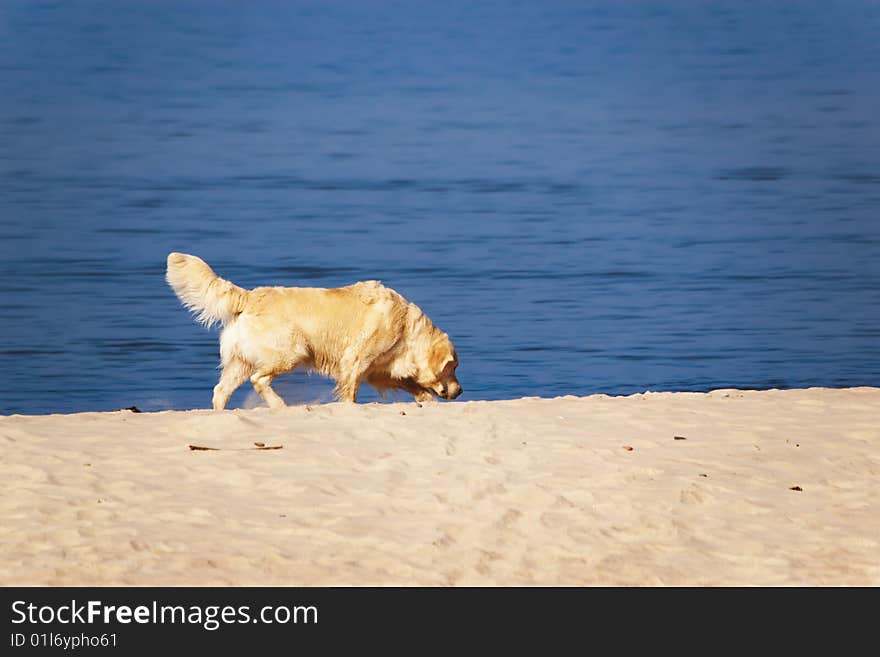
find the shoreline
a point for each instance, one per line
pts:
(729, 487)
(254, 403)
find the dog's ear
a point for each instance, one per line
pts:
(451, 355)
(441, 355)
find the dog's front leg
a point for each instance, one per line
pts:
(418, 392)
(423, 396)
(348, 390)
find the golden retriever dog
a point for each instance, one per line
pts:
(362, 332)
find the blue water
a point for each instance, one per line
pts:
(588, 197)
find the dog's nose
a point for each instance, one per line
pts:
(456, 393)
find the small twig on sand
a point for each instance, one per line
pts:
(199, 448)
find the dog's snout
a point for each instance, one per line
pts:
(448, 390)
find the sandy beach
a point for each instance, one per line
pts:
(726, 488)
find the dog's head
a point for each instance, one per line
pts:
(437, 373)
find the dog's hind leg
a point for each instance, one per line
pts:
(262, 384)
(235, 372)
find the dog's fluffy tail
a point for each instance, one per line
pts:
(202, 291)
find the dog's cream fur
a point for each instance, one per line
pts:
(362, 332)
